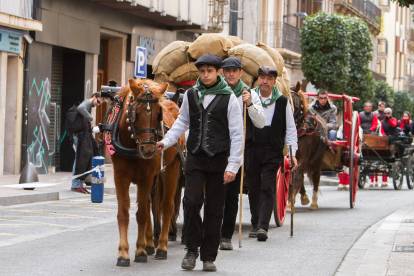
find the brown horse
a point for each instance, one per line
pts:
(144, 115)
(311, 147)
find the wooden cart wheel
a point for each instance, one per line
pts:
(398, 175)
(362, 180)
(355, 151)
(409, 172)
(282, 195)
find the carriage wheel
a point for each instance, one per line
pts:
(362, 180)
(398, 175)
(409, 172)
(282, 196)
(354, 153)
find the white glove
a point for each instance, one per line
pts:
(95, 129)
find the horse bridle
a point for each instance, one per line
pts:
(133, 113)
(297, 105)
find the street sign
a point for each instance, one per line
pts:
(140, 62)
(10, 42)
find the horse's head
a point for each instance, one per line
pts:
(300, 105)
(144, 114)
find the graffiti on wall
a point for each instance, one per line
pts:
(38, 139)
(149, 44)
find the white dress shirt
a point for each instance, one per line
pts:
(256, 112)
(235, 122)
(291, 133)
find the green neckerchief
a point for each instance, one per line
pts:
(238, 90)
(275, 95)
(221, 88)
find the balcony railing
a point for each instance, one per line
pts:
(276, 36)
(358, 4)
(29, 9)
(373, 12)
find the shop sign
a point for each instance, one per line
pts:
(10, 42)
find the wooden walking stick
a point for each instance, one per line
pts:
(292, 204)
(241, 179)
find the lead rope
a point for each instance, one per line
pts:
(162, 152)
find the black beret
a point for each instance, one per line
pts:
(209, 59)
(232, 62)
(268, 70)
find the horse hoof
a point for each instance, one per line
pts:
(141, 258)
(150, 250)
(305, 201)
(314, 207)
(122, 262)
(161, 255)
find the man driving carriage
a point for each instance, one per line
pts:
(322, 107)
(368, 120)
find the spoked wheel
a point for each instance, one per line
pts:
(398, 175)
(355, 152)
(282, 195)
(362, 180)
(409, 172)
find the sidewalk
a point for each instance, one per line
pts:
(13, 196)
(386, 248)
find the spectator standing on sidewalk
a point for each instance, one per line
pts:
(84, 144)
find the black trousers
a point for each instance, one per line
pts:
(261, 173)
(202, 169)
(231, 207)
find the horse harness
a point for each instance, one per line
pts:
(112, 119)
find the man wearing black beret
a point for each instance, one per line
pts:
(215, 144)
(232, 70)
(266, 151)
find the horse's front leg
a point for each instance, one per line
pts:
(122, 194)
(170, 178)
(142, 216)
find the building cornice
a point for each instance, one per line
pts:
(20, 23)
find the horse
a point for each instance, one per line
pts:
(144, 114)
(312, 142)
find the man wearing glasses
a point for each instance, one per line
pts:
(84, 140)
(327, 111)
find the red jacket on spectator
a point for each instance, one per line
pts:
(392, 123)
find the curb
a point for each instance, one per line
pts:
(23, 199)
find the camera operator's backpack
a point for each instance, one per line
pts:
(74, 120)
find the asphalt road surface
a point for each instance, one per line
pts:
(77, 237)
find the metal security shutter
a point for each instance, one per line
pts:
(55, 108)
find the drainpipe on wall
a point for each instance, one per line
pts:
(204, 18)
(179, 11)
(164, 8)
(234, 14)
(189, 22)
(25, 106)
(152, 6)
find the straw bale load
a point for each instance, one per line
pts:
(252, 58)
(170, 58)
(274, 54)
(217, 44)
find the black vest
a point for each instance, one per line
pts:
(209, 128)
(366, 120)
(277, 129)
(388, 129)
(380, 115)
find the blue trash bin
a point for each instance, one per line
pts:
(97, 185)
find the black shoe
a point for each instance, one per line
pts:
(225, 244)
(189, 261)
(209, 266)
(253, 233)
(261, 235)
